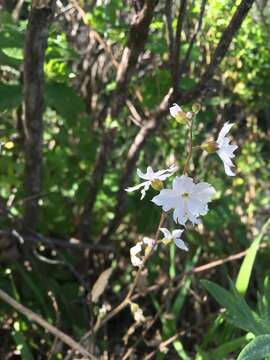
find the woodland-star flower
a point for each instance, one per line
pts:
(189, 200)
(179, 115)
(223, 148)
(225, 151)
(174, 236)
(152, 178)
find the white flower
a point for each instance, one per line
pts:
(135, 250)
(175, 236)
(175, 110)
(189, 200)
(225, 151)
(179, 115)
(151, 177)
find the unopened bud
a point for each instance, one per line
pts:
(157, 184)
(181, 117)
(137, 312)
(196, 108)
(210, 146)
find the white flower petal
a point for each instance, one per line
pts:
(179, 214)
(146, 187)
(167, 234)
(136, 249)
(177, 233)
(148, 241)
(134, 188)
(174, 110)
(203, 191)
(229, 149)
(166, 198)
(223, 132)
(147, 175)
(183, 184)
(225, 158)
(136, 261)
(228, 170)
(227, 163)
(181, 244)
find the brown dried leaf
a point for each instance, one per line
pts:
(100, 284)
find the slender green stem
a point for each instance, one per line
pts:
(186, 167)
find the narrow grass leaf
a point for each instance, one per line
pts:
(244, 274)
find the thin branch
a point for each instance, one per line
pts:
(36, 238)
(43, 323)
(169, 21)
(17, 10)
(193, 39)
(97, 176)
(106, 46)
(143, 334)
(220, 51)
(164, 344)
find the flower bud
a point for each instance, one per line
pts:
(210, 146)
(137, 312)
(196, 108)
(181, 117)
(157, 184)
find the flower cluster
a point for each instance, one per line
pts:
(188, 200)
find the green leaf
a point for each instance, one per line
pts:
(239, 312)
(244, 274)
(225, 349)
(257, 349)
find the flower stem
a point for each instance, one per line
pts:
(126, 300)
(186, 167)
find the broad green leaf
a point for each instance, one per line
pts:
(239, 313)
(257, 349)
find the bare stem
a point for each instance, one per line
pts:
(190, 148)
